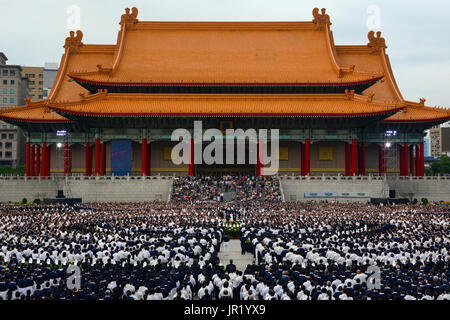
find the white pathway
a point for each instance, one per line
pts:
(234, 253)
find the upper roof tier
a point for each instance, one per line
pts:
(225, 53)
(79, 58)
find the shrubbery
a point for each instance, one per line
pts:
(233, 229)
(20, 170)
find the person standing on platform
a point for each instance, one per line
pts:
(226, 243)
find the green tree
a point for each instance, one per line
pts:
(20, 170)
(442, 166)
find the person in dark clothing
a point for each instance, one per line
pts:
(231, 267)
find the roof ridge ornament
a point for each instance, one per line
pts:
(102, 92)
(350, 94)
(376, 43)
(370, 97)
(321, 19)
(100, 69)
(73, 43)
(422, 102)
(129, 19)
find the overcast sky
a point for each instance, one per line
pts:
(32, 32)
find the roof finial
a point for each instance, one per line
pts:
(349, 94)
(422, 101)
(370, 97)
(129, 19)
(376, 43)
(321, 19)
(73, 43)
(28, 101)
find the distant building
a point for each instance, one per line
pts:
(13, 91)
(440, 141)
(50, 72)
(426, 144)
(35, 77)
(2, 58)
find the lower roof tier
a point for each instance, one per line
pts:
(314, 110)
(103, 104)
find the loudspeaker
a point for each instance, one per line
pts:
(392, 194)
(60, 194)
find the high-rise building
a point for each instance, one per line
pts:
(2, 58)
(50, 72)
(13, 91)
(440, 141)
(426, 144)
(435, 142)
(35, 77)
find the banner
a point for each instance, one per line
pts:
(121, 155)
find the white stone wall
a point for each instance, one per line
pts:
(93, 189)
(432, 188)
(294, 187)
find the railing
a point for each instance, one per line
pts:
(332, 178)
(87, 178)
(425, 178)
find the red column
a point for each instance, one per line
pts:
(191, 158)
(66, 158)
(362, 164)
(87, 162)
(422, 160)
(28, 160)
(149, 159)
(411, 160)
(307, 157)
(302, 159)
(97, 157)
(47, 161)
(405, 159)
(38, 160)
(90, 159)
(144, 158)
(103, 159)
(382, 160)
(417, 158)
(348, 159)
(32, 159)
(44, 160)
(401, 160)
(69, 160)
(259, 156)
(354, 157)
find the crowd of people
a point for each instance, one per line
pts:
(169, 251)
(212, 189)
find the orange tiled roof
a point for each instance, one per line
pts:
(87, 58)
(297, 52)
(366, 60)
(337, 105)
(373, 58)
(418, 112)
(32, 112)
(226, 52)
